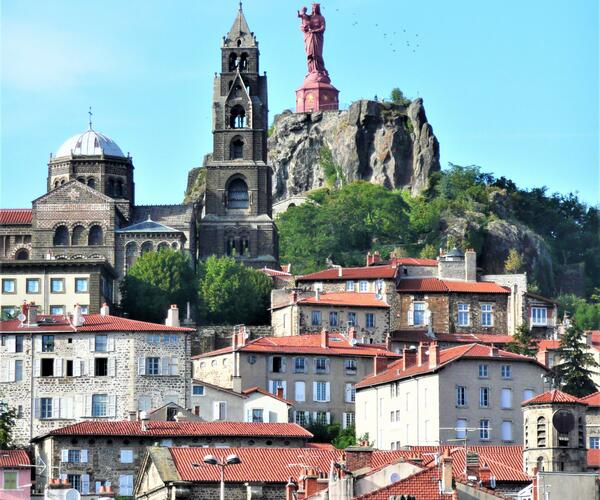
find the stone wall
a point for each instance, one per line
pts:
(211, 337)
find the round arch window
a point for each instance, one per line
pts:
(22, 254)
(237, 194)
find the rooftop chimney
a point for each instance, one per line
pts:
(173, 316)
(380, 363)
(279, 392)
(434, 355)
(32, 314)
(446, 485)
(409, 358)
(143, 421)
(358, 457)
(77, 316)
(340, 271)
(104, 310)
(470, 265)
(324, 338)
(317, 295)
(351, 335)
(422, 353)
(493, 351)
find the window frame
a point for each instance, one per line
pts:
(101, 404)
(28, 281)
(484, 429)
(350, 285)
(62, 285)
(200, 393)
(419, 313)
(16, 480)
(125, 452)
(485, 312)
(484, 397)
(369, 320)
(483, 371)
(461, 389)
(463, 310)
(6, 281)
(363, 286)
(315, 318)
(84, 280)
(537, 321)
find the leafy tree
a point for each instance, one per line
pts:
(8, 417)
(397, 97)
(523, 342)
(514, 262)
(574, 371)
(332, 171)
(585, 314)
(231, 293)
(345, 438)
(155, 281)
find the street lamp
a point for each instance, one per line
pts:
(228, 460)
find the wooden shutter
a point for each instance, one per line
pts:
(326, 365)
(38, 343)
(164, 366)
(11, 343)
(327, 392)
(284, 386)
(283, 364)
(141, 365)
(58, 367)
(315, 391)
(216, 410)
(37, 367)
(111, 411)
(83, 456)
(112, 367)
(410, 316)
(174, 366)
(77, 368)
(92, 343)
(36, 408)
(87, 408)
(64, 455)
(78, 407)
(85, 484)
(110, 343)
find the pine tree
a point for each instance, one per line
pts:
(573, 373)
(523, 342)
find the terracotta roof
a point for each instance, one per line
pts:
(269, 465)
(320, 446)
(593, 458)
(252, 390)
(553, 396)
(552, 344)
(435, 285)
(338, 345)
(592, 400)
(457, 338)
(413, 261)
(93, 323)
(275, 272)
(349, 273)
(13, 458)
(168, 429)
(352, 299)
(447, 356)
(15, 216)
(422, 484)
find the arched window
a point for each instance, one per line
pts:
(62, 181)
(541, 432)
(119, 189)
(61, 237)
(243, 63)
(130, 254)
(55, 184)
(237, 118)
(163, 245)
(95, 236)
(236, 149)
(237, 194)
(174, 245)
(233, 61)
(78, 236)
(91, 183)
(147, 247)
(81, 179)
(540, 464)
(110, 188)
(239, 42)
(22, 254)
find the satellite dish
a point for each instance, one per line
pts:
(21, 317)
(394, 478)
(563, 421)
(353, 341)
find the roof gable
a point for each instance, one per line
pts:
(148, 226)
(76, 191)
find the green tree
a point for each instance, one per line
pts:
(523, 342)
(514, 262)
(8, 417)
(585, 314)
(156, 280)
(397, 97)
(231, 293)
(573, 373)
(346, 437)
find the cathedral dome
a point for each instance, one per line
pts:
(89, 143)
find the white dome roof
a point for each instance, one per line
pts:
(89, 143)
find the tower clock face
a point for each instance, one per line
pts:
(563, 421)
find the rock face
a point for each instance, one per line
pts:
(384, 143)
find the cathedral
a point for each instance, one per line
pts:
(78, 240)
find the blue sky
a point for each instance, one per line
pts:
(511, 86)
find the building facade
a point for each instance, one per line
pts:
(15, 475)
(434, 396)
(56, 370)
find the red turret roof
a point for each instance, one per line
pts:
(553, 396)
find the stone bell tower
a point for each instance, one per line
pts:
(236, 218)
(554, 433)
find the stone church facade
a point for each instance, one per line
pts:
(89, 212)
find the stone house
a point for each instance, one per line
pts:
(317, 372)
(15, 475)
(57, 370)
(295, 313)
(592, 427)
(433, 396)
(213, 403)
(93, 454)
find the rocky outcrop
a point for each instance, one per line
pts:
(384, 143)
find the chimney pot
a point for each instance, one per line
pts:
(173, 316)
(317, 295)
(104, 310)
(279, 392)
(434, 355)
(32, 314)
(422, 353)
(324, 339)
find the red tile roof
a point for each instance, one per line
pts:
(447, 356)
(435, 285)
(275, 272)
(422, 485)
(412, 261)
(593, 458)
(352, 299)
(457, 338)
(270, 465)
(15, 216)
(93, 323)
(553, 396)
(550, 344)
(260, 390)
(13, 458)
(593, 400)
(349, 273)
(338, 345)
(168, 429)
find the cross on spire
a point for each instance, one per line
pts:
(90, 119)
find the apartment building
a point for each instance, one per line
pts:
(317, 372)
(56, 370)
(93, 454)
(466, 393)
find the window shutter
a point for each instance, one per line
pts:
(270, 363)
(9, 376)
(110, 344)
(314, 416)
(56, 411)
(11, 343)
(78, 406)
(328, 417)
(273, 417)
(77, 368)
(36, 407)
(92, 343)
(66, 408)
(141, 365)
(112, 367)
(87, 410)
(249, 415)
(83, 456)
(38, 344)
(428, 317)
(327, 392)
(58, 367)
(305, 365)
(164, 366)
(85, 484)
(37, 367)
(4, 371)
(216, 410)
(284, 385)
(348, 393)
(64, 455)
(283, 364)
(112, 406)
(223, 405)
(299, 391)
(315, 391)
(62, 408)
(174, 366)
(326, 365)
(315, 365)
(410, 317)
(344, 420)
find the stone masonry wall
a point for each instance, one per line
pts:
(211, 337)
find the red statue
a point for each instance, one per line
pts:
(316, 92)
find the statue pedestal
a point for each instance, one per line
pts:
(316, 94)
